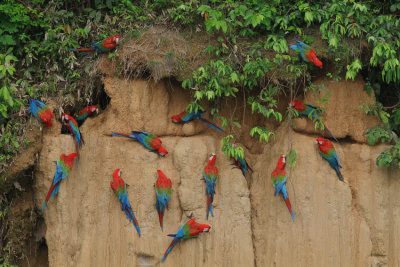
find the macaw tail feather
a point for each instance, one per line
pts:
(211, 124)
(173, 243)
(83, 50)
(160, 210)
(244, 172)
(123, 135)
(131, 217)
(329, 132)
(52, 191)
(339, 173)
(209, 206)
(287, 201)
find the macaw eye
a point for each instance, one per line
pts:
(212, 155)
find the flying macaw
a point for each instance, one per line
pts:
(185, 117)
(103, 46)
(307, 53)
(41, 111)
(189, 229)
(305, 109)
(73, 128)
(163, 188)
(87, 111)
(328, 152)
(210, 176)
(242, 165)
(64, 166)
(150, 141)
(119, 187)
(279, 178)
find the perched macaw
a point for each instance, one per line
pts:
(189, 229)
(242, 165)
(307, 53)
(148, 140)
(41, 111)
(305, 109)
(64, 166)
(73, 128)
(328, 152)
(119, 187)
(279, 178)
(185, 117)
(210, 176)
(87, 111)
(103, 46)
(163, 188)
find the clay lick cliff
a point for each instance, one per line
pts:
(350, 223)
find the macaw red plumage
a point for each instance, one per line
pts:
(189, 229)
(148, 140)
(307, 109)
(163, 189)
(279, 178)
(210, 176)
(328, 152)
(119, 187)
(41, 111)
(102, 46)
(185, 117)
(64, 166)
(307, 53)
(87, 111)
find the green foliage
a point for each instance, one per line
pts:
(377, 133)
(230, 149)
(390, 157)
(292, 156)
(262, 133)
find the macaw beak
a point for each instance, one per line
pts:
(116, 40)
(206, 230)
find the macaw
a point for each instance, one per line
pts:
(307, 53)
(279, 178)
(163, 188)
(102, 46)
(305, 109)
(72, 125)
(185, 117)
(64, 166)
(148, 140)
(87, 111)
(210, 176)
(41, 111)
(242, 165)
(328, 152)
(189, 229)
(119, 187)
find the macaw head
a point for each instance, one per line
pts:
(297, 104)
(317, 63)
(176, 119)
(281, 162)
(115, 184)
(72, 156)
(162, 151)
(65, 117)
(161, 174)
(95, 109)
(212, 159)
(68, 159)
(321, 141)
(204, 227)
(115, 39)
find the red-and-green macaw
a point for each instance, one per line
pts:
(119, 187)
(210, 176)
(103, 46)
(279, 178)
(87, 111)
(185, 117)
(307, 53)
(241, 164)
(148, 140)
(41, 111)
(328, 152)
(73, 128)
(189, 229)
(163, 188)
(305, 109)
(64, 166)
